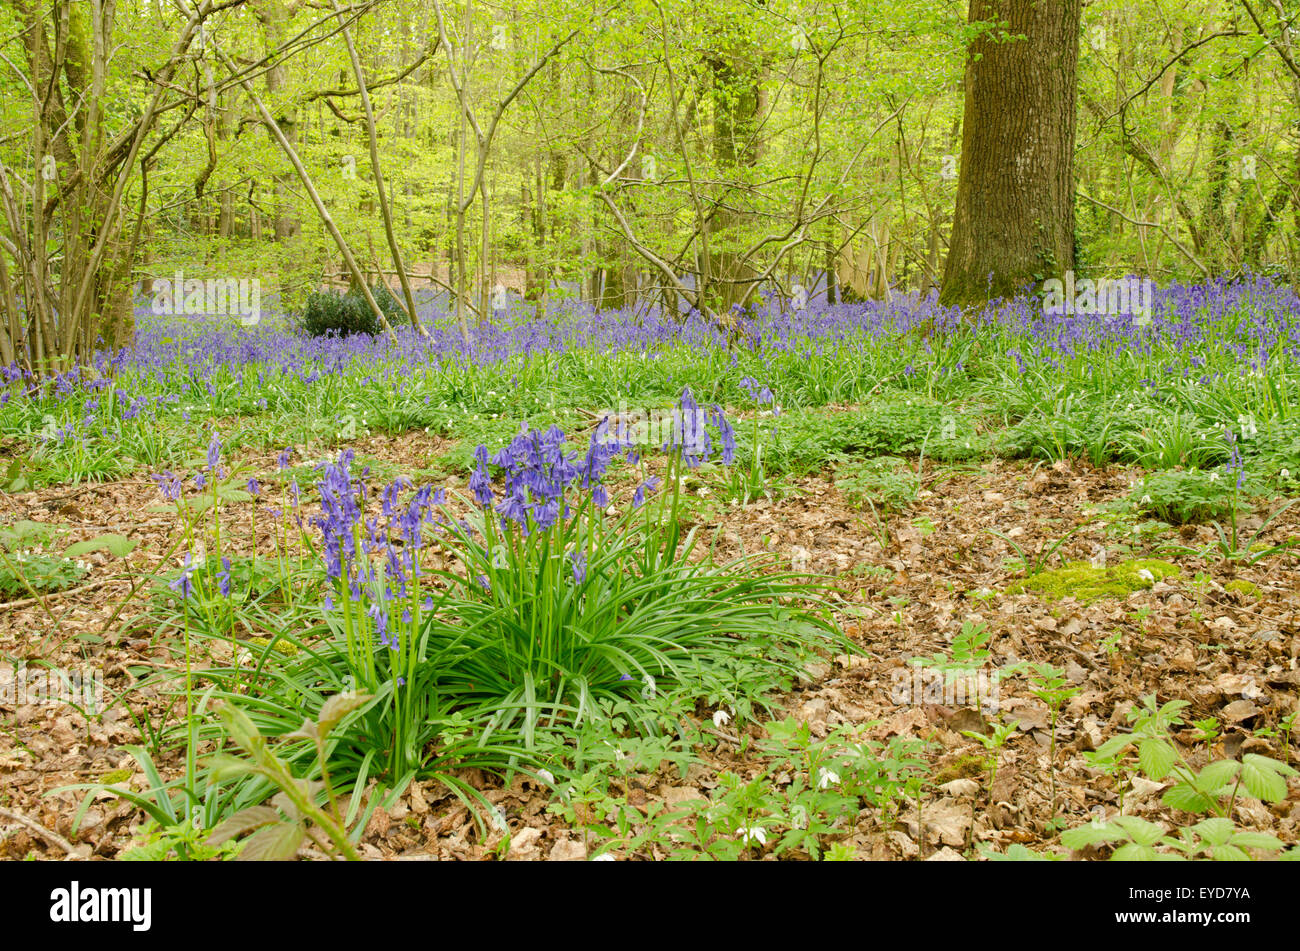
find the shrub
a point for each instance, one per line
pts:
(348, 313)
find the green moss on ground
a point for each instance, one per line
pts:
(281, 645)
(1081, 580)
(1245, 588)
(968, 766)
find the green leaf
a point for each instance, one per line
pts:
(276, 843)
(1258, 840)
(1111, 748)
(1215, 831)
(1185, 797)
(1090, 834)
(1228, 853)
(1139, 830)
(1262, 777)
(245, 820)
(1264, 762)
(241, 728)
(229, 493)
(337, 707)
(119, 546)
(223, 767)
(1132, 852)
(1217, 775)
(1156, 758)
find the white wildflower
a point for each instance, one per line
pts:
(826, 777)
(750, 834)
(721, 718)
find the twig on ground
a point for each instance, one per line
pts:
(49, 836)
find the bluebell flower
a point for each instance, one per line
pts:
(579, 564)
(183, 583)
(223, 577)
(169, 484)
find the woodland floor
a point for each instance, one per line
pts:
(1200, 643)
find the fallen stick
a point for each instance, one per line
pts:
(28, 602)
(52, 837)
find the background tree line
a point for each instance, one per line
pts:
(632, 152)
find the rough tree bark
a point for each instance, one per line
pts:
(1014, 218)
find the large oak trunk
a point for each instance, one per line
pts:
(1014, 220)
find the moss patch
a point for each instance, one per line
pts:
(967, 766)
(281, 645)
(1081, 580)
(1244, 588)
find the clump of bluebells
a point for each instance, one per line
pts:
(487, 627)
(544, 594)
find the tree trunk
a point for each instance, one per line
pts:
(1014, 218)
(737, 105)
(276, 19)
